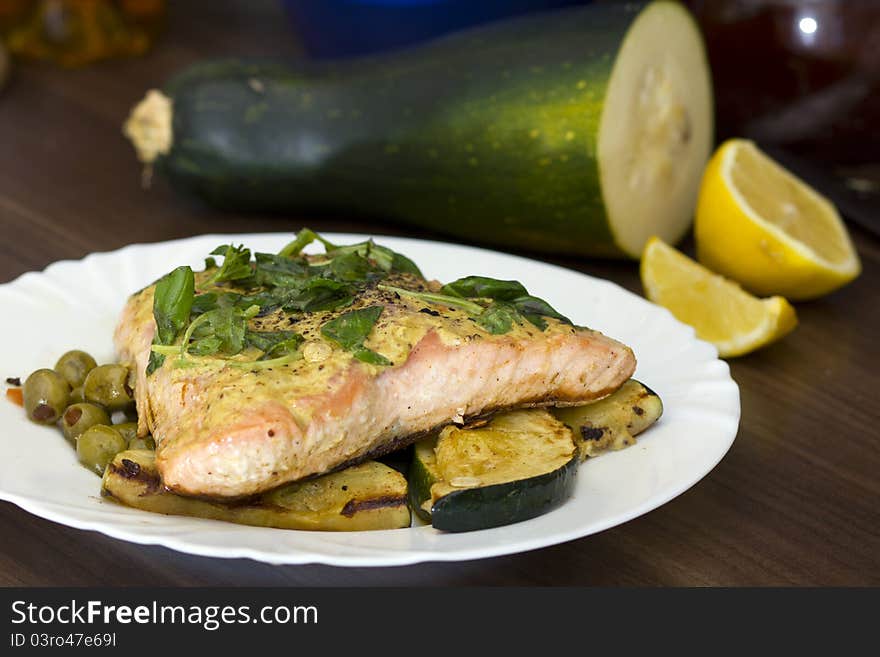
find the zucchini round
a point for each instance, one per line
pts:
(581, 131)
(363, 497)
(614, 422)
(519, 466)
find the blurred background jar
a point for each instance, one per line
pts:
(74, 33)
(800, 74)
(802, 79)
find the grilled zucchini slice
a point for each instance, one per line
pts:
(614, 422)
(366, 496)
(518, 466)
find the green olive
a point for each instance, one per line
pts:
(128, 430)
(97, 446)
(146, 442)
(107, 385)
(76, 395)
(45, 395)
(79, 417)
(74, 365)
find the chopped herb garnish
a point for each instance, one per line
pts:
(511, 302)
(535, 309)
(470, 307)
(351, 329)
(303, 238)
(216, 324)
(172, 303)
(498, 318)
(236, 264)
(274, 343)
(319, 294)
(481, 287)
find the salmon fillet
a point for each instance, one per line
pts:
(231, 432)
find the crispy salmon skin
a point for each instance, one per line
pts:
(233, 426)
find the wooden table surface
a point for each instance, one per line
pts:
(796, 501)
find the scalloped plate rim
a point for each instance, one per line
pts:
(159, 530)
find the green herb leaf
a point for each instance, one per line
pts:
(533, 308)
(206, 346)
(351, 329)
(384, 258)
(352, 268)
(482, 287)
(303, 238)
(274, 343)
(498, 318)
(236, 264)
(278, 271)
(202, 303)
(369, 356)
(319, 294)
(470, 307)
(172, 303)
(156, 361)
(400, 263)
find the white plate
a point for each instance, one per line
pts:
(74, 304)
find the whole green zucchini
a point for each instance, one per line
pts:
(579, 131)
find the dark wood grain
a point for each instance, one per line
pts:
(795, 502)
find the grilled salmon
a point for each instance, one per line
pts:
(232, 427)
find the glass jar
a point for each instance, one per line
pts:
(798, 74)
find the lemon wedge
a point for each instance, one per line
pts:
(719, 310)
(761, 226)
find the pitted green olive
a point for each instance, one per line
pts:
(128, 430)
(74, 366)
(97, 446)
(107, 385)
(45, 395)
(77, 418)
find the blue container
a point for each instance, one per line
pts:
(341, 28)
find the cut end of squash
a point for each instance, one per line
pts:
(655, 134)
(149, 126)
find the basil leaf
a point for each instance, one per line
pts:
(220, 330)
(274, 343)
(352, 267)
(319, 294)
(202, 303)
(206, 346)
(277, 271)
(530, 307)
(303, 238)
(536, 320)
(172, 303)
(498, 318)
(369, 356)
(400, 263)
(236, 263)
(470, 307)
(482, 287)
(156, 361)
(351, 329)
